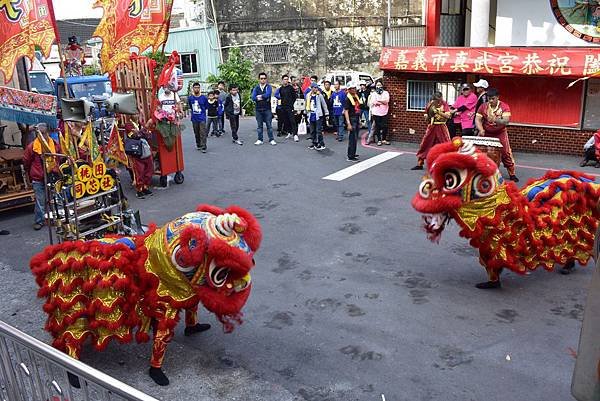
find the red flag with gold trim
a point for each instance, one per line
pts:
(115, 150)
(140, 24)
(23, 25)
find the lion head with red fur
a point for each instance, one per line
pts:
(214, 248)
(458, 174)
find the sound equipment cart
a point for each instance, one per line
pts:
(85, 201)
(139, 78)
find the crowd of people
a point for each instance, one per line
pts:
(313, 110)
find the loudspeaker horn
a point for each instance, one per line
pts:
(122, 103)
(75, 109)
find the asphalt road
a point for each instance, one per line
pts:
(350, 300)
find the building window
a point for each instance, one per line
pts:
(419, 93)
(275, 54)
(189, 65)
(452, 7)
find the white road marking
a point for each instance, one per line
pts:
(362, 166)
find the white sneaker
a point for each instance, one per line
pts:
(258, 142)
(296, 139)
(273, 142)
(288, 136)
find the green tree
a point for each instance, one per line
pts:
(160, 58)
(237, 70)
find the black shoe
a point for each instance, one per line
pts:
(73, 380)
(312, 147)
(148, 192)
(513, 178)
(38, 226)
(352, 159)
(158, 376)
(488, 285)
(198, 328)
(417, 167)
(4, 232)
(597, 165)
(203, 150)
(198, 148)
(568, 267)
(140, 195)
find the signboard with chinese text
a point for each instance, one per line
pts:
(572, 62)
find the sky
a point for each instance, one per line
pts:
(64, 9)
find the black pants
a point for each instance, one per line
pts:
(200, 133)
(234, 124)
(353, 136)
(466, 131)
(289, 121)
(452, 128)
(381, 127)
(280, 121)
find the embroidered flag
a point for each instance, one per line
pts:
(127, 24)
(88, 141)
(23, 25)
(115, 150)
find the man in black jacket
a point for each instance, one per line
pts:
(233, 109)
(288, 98)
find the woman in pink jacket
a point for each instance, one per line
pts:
(379, 110)
(464, 110)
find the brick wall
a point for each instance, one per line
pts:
(523, 139)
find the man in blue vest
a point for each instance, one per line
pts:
(261, 95)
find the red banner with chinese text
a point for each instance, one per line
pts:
(23, 25)
(532, 61)
(127, 24)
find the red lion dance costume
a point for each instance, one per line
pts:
(552, 220)
(112, 287)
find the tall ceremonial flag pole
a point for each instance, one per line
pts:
(63, 73)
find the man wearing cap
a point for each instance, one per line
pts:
(32, 161)
(481, 87)
(316, 108)
(491, 120)
(352, 113)
(464, 110)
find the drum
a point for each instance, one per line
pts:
(486, 144)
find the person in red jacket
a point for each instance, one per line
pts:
(32, 161)
(142, 166)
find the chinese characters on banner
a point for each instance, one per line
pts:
(498, 61)
(140, 24)
(92, 179)
(23, 25)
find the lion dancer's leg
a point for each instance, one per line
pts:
(74, 351)
(493, 278)
(162, 337)
(191, 322)
(507, 156)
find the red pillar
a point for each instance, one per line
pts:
(432, 22)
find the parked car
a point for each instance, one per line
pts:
(346, 76)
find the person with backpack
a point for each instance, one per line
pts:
(140, 154)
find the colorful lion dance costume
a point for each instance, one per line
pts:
(552, 220)
(116, 286)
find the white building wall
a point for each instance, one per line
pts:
(531, 23)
